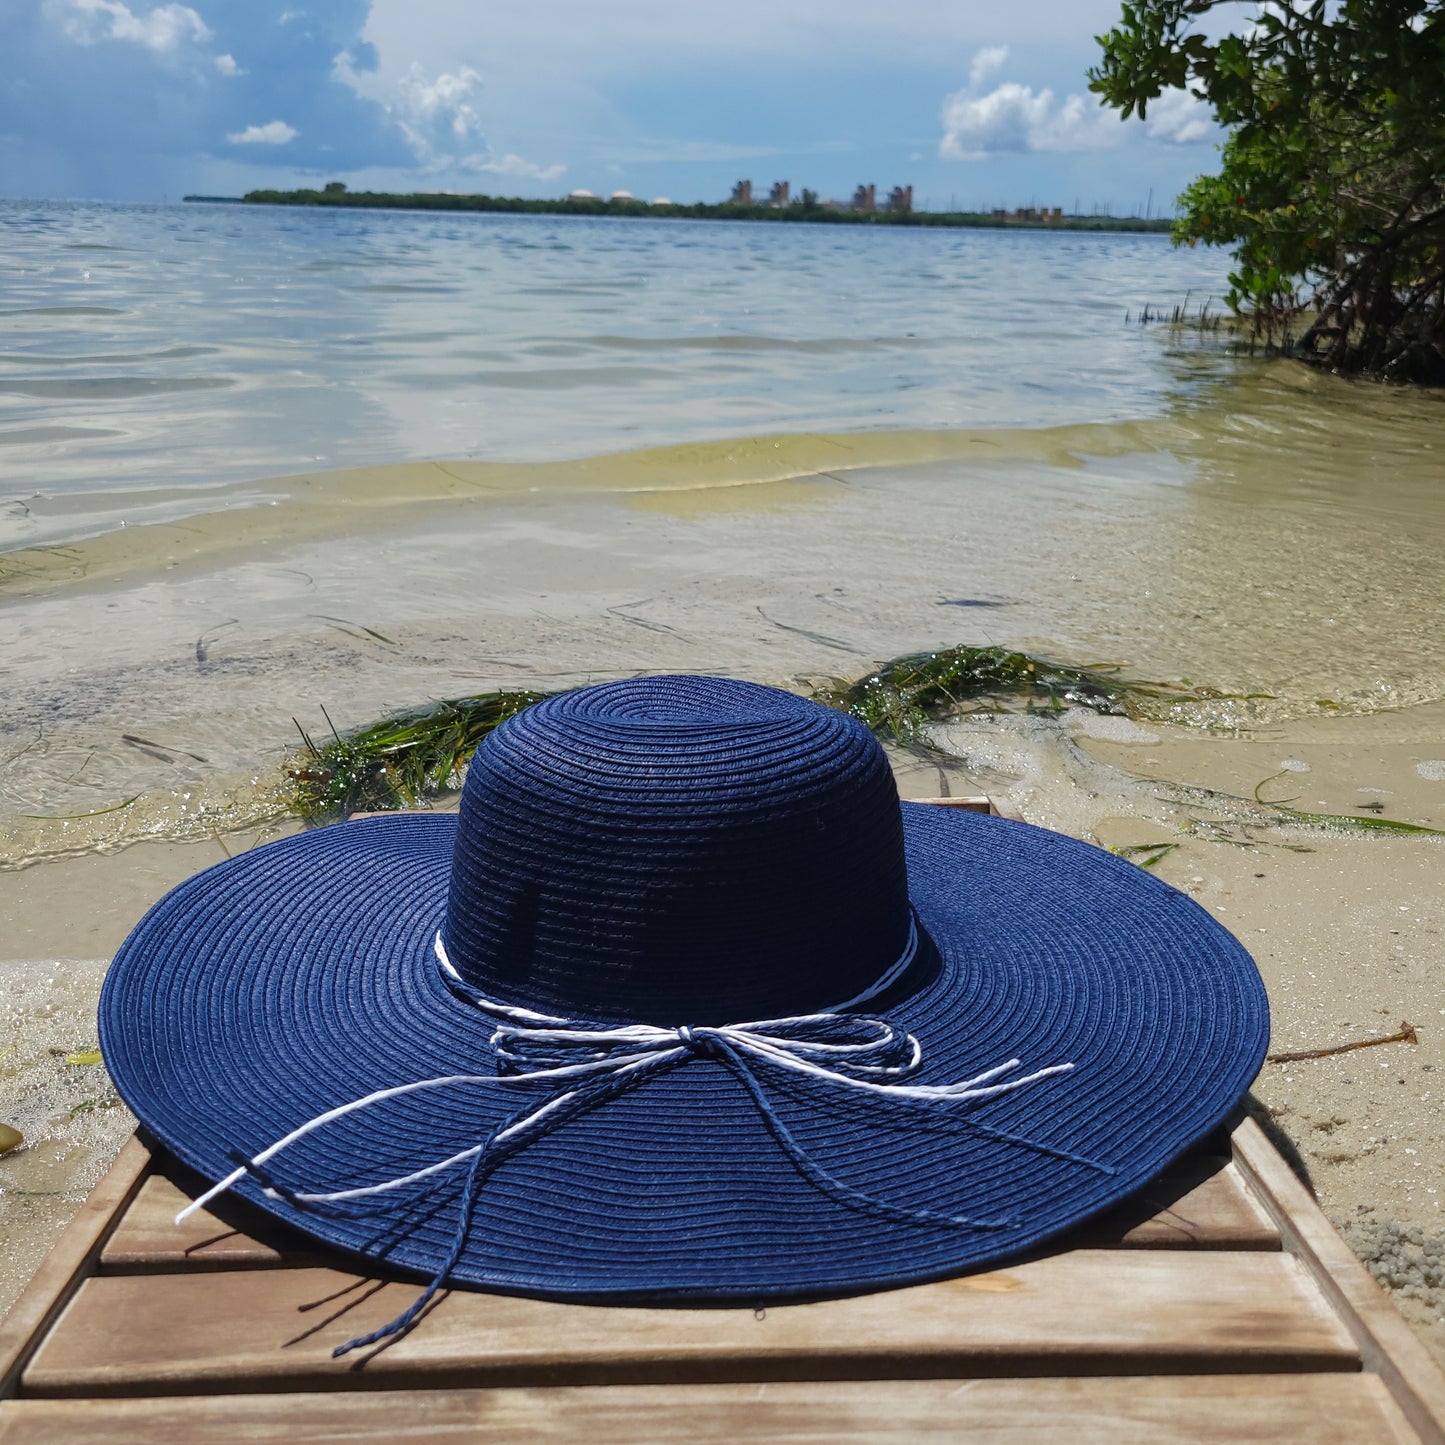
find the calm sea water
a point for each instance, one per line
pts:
(143, 346)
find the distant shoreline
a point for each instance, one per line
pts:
(699, 211)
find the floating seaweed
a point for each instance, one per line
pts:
(398, 762)
(1146, 855)
(408, 758)
(403, 760)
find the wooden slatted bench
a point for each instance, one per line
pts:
(1219, 1305)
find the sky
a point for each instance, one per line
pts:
(974, 103)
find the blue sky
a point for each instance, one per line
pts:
(973, 103)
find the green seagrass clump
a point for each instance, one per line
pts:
(903, 695)
(401, 761)
(404, 760)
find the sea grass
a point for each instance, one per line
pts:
(399, 762)
(1348, 821)
(904, 695)
(408, 758)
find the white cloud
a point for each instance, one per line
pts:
(443, 104)
(989, 59)
(511, 165)
(1179, 119)
(226, 64)
(161, 29)
(1015, 117)
(273, 133)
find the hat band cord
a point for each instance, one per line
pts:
(859, 1052)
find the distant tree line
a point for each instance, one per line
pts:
(807, 208)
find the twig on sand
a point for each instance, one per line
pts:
(1406, 1035)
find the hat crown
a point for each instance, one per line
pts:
(677, 850)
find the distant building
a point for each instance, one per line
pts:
(778, 193)
(622, 196)
(662, 200)
(863, 199)
(1032, 215)
(900, 200)
(580, 195)
(742, 194)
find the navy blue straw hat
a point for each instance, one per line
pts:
(684, 1005)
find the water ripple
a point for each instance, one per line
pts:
(108, 387)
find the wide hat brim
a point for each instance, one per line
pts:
(301, 975)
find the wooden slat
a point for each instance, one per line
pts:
(1202, 1203)
(71, 1259)
(148, 1237)
(1119, 1410)
(1387, 1343)
(1085, 1312)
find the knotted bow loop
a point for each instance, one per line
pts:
(847, 1047)
(522, 1052)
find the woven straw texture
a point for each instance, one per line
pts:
(685, 851)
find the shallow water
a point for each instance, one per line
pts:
(853, 444)
(142, 346)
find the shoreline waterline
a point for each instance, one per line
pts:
(227, 520)
(1286, 584)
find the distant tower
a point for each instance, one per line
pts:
(742, 194)
(900, 200)
(778, 195)
(863, 199)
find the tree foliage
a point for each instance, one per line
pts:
(808, 208)
(1332, 182)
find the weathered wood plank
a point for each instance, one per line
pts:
(1200, 1204)
(1387, 1343)
(238, 1237)
(63, 1268)
(1120, 1410)
(1085, 1312)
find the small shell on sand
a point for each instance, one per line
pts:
(10, 1138)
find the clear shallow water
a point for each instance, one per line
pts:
(194, 345)
(216, 512)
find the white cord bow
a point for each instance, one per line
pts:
(858, 1052)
